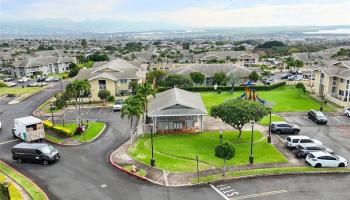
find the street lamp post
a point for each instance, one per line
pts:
(269, 137)
(322, 97)
(220, 135)
(51, 109)
(251, 157)
(153, 161)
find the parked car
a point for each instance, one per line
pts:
(49, 79)
(11, 84)
(35, 152)
(9, 79)
(41, 79)
(55, 79)
(302, 150)
(324, 159)
(293, 141)
(41, 84)
(0, 125)
(23, 79)
(268, 81)
(285, 76)
(317, 116)
(347, 112)
(284, 127)
(118, 105)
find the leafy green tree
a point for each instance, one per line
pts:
(293, 63)
(176, 80)
(254, 76)
(271, 44)
(73, 72)
(104, 94)
(197, 77)
(225, 151)
(300, 87)
(238, 112)
(220, 78)
(235, 78)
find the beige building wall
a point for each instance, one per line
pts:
(95, 88)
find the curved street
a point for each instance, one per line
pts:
(84, 171)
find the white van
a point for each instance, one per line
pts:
(295, 140)
(28, 129)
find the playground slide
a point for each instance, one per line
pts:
(260, 100)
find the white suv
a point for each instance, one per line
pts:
(347, 112)
(324, 159)
(293, 141)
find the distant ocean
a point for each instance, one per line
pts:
(332, 31)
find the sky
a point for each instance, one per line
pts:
(187, 13)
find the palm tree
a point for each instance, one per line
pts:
(133, 108)
(145, 90)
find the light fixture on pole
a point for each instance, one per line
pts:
(51, 109)
(220, 135)
(251, 156)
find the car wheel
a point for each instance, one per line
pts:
(278, 132)
(19, 160)
(45, 162)
(14, 136)
(296, 132)
(347, 114)
(318, 165)
(341, 165)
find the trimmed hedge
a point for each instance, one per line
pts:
(58, 129)
(15, 194)
(229, 88)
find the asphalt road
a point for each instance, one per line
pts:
(85, 173)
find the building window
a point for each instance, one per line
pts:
(322, 75)
(334, 80)
(123, 81)
(102, 84)
(341, 80)
(341, 92)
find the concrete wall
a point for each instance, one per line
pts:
(110, 85)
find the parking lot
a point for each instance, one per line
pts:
(335, 135)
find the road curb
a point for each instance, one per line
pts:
(276, 174)
(30, 180)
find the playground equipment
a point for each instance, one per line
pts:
(250, 93)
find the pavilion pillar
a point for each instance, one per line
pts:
(154, 124)
(201, 123)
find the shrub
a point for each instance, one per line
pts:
(110, 99)
(15, 194)
(229, 88)
(2, 84)
(58, 129)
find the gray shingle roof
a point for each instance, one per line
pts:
(176, 102)
(113, 70)
(339, 69)
(210, 69)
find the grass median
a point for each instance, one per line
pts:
(33, 190)
(94, 128)
(274, 118)
(19, 90)
(177, 153)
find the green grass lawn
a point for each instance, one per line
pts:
(274, 118)
(284, 99)
(19, 90)
(31, 188)
(215, 177)
(94, 128)
(177, 153)
(59, 75)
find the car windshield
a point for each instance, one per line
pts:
(47, 149)
(319, 114)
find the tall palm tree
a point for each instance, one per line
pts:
(133, 109)
(145, 90)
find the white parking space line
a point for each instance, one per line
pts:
(338, 120)
(100, 111)
(88, 110)
(5, 142)
(259, 195)
(219, 192)
(279, 138)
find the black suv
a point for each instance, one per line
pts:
(302, 150)
(284, 127)
(317, 116)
